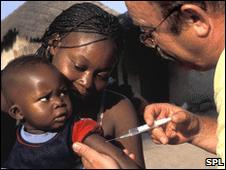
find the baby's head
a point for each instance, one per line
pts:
(37, 93)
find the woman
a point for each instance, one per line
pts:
(83, 42)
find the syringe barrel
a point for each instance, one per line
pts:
(157, 123)
(143, 128)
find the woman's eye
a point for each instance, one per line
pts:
(80, 69)
(103, 77)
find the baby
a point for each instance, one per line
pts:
(37, 95)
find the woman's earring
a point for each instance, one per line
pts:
(111, 81)
(48, 54)
(55, 43)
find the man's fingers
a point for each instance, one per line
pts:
(87, 164)
(150, 113)
(156, 111)
(155, 140)
(174, 131)
(93, 159)
(171, 130)
(159, 135)
(83, 150)
(180, 116)
(131, 155)
(126, 151)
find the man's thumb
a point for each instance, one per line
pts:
(79, 148)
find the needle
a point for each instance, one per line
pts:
(143, 128)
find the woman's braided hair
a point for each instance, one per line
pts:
(86, 18)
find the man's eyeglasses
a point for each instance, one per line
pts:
(147, 37)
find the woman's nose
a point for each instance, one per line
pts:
(87, 81)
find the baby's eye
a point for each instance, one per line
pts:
(43, 99)
(62, 94)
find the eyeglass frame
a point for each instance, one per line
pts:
(148, 35)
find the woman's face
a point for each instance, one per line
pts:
(87, 67)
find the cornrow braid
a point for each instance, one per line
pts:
(86, 18)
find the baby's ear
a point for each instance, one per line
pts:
(16, 112)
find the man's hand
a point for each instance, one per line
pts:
(183, 127)
(92, 159)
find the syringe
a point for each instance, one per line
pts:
(143, 128)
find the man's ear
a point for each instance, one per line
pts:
(16, 112)
(198, 18)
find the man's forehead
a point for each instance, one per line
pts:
(139, 21)
(136, 20)
(143, 13)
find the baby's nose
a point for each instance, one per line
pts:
(58, 102)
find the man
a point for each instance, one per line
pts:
(191, 33)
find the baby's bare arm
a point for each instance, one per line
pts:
(98, 143)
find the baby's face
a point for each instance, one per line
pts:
(44, 99)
